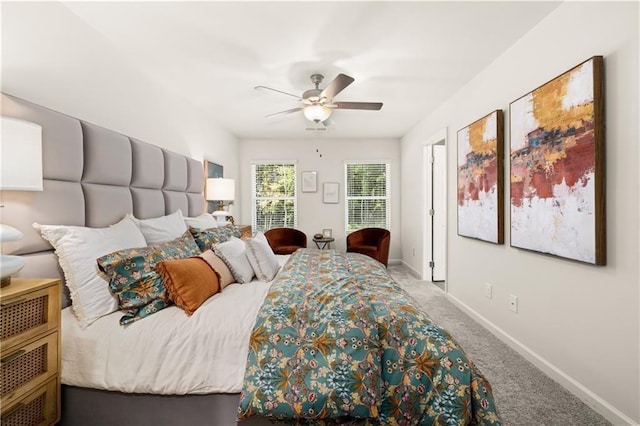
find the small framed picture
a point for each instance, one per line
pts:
(330, 193)
(326, 233)
(309, 181)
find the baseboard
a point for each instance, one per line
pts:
(394, 262)
(411, 270)
(598, 404)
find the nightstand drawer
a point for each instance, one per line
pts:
(27, 367)
(38, 408)
(24, 316)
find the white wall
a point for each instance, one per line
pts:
(54, 59)
(313, 214)
(579, 323)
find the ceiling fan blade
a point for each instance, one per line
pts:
(288, 111)
(336, 86)
(276, 90)
(374, 106)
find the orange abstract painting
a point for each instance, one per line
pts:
(480, 179)
(557, 170)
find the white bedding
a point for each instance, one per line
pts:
(167, 352)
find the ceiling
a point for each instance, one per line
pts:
(411, 56)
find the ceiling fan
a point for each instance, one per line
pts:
(318, 103)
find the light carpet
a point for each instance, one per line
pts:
(523, 394)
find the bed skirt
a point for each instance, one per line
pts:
(84, 406)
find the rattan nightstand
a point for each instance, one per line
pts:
(30, 338)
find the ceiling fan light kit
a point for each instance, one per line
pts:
(317, 112)
(318, 103)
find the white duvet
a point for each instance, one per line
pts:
(167, 352)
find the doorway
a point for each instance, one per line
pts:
(435, 209)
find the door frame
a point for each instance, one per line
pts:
(440, 137)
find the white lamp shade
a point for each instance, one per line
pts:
(220, 189)
(20, 155)
(317, 113)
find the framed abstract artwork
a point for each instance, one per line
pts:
(557, 166)
(481, 179)
(212, 170)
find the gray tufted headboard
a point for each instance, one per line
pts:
(92, 177)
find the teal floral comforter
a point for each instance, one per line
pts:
(338, 341)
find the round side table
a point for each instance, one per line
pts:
(323, 243)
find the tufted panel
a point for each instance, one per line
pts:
(146, 158)
(195, 177)
(175, 172)
(61, 138)
(107, 156)
(61, 202)
(93, 177)
(106, 204)
(196, 203)
(174, 200)
(147, 203)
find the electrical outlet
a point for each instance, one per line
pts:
(488, 290)
(414, 252)
(513, 303)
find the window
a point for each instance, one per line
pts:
(367, 195)
(273, 196)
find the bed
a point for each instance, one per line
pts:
(93, 177)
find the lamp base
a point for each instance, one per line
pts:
(9, 265)
(221, 217)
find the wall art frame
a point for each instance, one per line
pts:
(309, 182)
(212, 170)
(331, 192)
(557, 168)
(480, 179)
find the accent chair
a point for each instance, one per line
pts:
(286, 240)
(374, 242)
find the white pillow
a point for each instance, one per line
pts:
(261, 257)
(204, 221)
(78, 248)
(233, 254)
(161, 229)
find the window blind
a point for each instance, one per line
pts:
(367, 195)
(273, 196)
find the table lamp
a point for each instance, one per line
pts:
(20, 170)
(220, 190)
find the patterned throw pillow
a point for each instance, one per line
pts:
(208, 238)
(77, 248)
(134, 280)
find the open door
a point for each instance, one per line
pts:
(439, 216)
(435, 209)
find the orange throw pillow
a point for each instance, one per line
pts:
(189, 282)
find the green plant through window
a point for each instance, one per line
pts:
(367, 195)
(274, 201)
